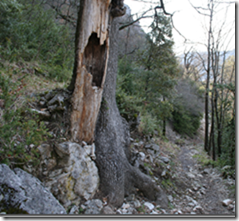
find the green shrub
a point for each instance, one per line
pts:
(31, 33)
(19, 128)
(186, 123)
(148, 124)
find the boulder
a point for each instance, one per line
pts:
(76, 176)
(22, 193)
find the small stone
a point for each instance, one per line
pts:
(154, 212)
(163, 173)
(43, 114)
(195, 188)
(42, 103)
(137, 204)
(151, 152)
(180, 212)
(83, 206)
(231, 207)
(131, 139)
(98, 203)
(131, 197)
(136, 144)
(226, 202)
(170, 198)
(74, 210)
(190, 199)
(156, 147)
(147, 146)
(197, 208)
(118, 211)
(190, 175)
(193, 213)
(200, 175)
(125, 206)
(206, 171)
(107, 210)
(132, 211)
(124, 211)
(164, 159)
(142, 156)
(149, 205)
(141, 143)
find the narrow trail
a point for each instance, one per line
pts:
(206, 188)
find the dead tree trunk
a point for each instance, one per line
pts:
(112, 139)
(91, 57)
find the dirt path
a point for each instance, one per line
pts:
(206, 188)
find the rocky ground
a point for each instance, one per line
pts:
(174, 164)
(192, 189)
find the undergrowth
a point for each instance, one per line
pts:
(21, 130)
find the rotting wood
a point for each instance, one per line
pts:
(92, 49)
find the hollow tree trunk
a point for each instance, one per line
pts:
(91, 57)
(112, 139)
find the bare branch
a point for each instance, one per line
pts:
(196, 8)
(132, 22)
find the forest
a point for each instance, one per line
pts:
(83, 77)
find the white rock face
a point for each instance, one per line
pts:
(77, 177)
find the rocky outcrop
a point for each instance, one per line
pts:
(69, 171)
(21, 193)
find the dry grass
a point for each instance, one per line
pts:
(27, 83)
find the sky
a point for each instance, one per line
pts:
(189, 23)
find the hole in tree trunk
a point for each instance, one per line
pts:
(94, 59)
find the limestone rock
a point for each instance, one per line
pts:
(149, 205)
(23, 193)
(226, 202)
(76, 176)
(137, 204)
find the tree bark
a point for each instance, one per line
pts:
(206, 148)
(112, 139)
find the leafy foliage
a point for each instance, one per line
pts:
(29, 33)
(188, 107)
(148, 80)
